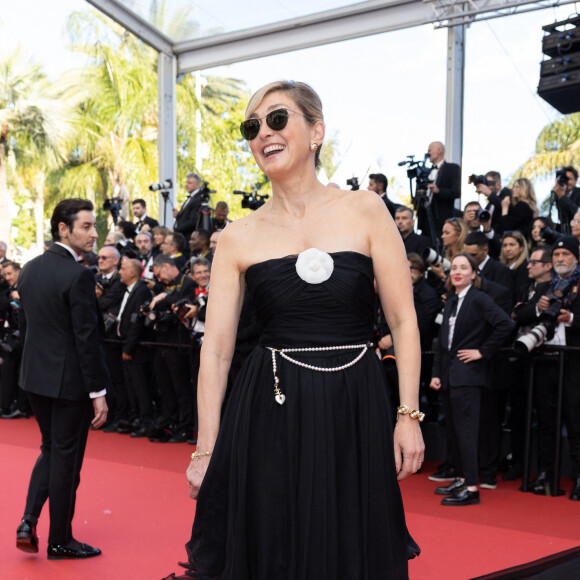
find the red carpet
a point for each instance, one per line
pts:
(133, 504)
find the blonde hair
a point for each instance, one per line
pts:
(527, 194)
(521, 240)
(462, 231)
(305, 97)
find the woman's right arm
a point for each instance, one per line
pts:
(223, 311)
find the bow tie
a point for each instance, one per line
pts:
(202, 291)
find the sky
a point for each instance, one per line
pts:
(383, 96)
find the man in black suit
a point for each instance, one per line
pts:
(63, 373)
(565, 257)
(378, 183)
(405, 222)
(174, 247)
(472, 218)
(567, 197)
(445, 188)
(477, 246)
(132, 330)
(494, 193)
(140, 212)
(186, 217)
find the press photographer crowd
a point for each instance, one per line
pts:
(494, 285)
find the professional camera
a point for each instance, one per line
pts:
(113, 205)
(549, 236)
(419, 171)
(354, 184)
(483, 215)
(152, 317)
(167, 184)
(562, 178)
(547, 321)
(252, 200)
(181, 307)
(110, 321)
(432, 258)
(205, 192)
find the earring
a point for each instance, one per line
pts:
(313, 147)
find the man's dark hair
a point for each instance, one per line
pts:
(128, 229)
(7, 263)
(178, 241)
(204, 235)
(380, 178)
(161, 259)
(472, 204)
(571, 169)
(139, 201)
(222, 205)
(403, 208)
(476, 239)
(417, 261)
(546, 252)
(66, 212)
(495, 175)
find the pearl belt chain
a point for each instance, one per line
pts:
(279, 395)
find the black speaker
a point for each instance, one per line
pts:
(560, 75)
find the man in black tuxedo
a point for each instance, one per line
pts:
(186, 217)
(445, 188)
(63, 373)
(567, 197)
(405, 222)
(140, 212)
(136, 358)
(378, 183)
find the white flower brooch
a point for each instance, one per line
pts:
(314, 266)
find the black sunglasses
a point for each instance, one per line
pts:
(276, 120)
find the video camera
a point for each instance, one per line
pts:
(252, 200)
(547, 321)
(354, 183)
(420, 172)
(113, 205)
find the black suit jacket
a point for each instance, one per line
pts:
(498, 273)
(498, 293)
(414, 243)
(481, 325)
(520, 217)
(448, 181)
(61, 327)
(391, 206)
(525, 309)
(186, 219)
(149, 221)
(133, 332)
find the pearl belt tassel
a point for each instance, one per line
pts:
(279, 395)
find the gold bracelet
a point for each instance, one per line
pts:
(413, 413)
(197, 454)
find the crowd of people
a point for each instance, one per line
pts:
(152, 286)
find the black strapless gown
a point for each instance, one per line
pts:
(306, 490)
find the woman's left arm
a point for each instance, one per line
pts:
(395, 290)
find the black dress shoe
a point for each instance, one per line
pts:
(541, 485)
(58, 552)
(457, 485)
(575, 494)
(444, 473)
(111, 427)
(462, 497)
(16, 414)
(26, 538)
(181, 437)
(141, 432)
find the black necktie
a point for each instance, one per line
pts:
(454, 301)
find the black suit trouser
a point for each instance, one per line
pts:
(118, 401)
(462, 410)
(64, 426)
(137, 380)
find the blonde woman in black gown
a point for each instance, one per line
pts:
(298, 481)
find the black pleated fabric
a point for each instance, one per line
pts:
(306, 490)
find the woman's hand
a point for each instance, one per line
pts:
(469, 355)
(409, 446)
(195, 474)
(435, 384)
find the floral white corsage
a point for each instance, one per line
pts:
(314, 266)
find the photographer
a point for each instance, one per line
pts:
(445, 187)
(478, 219)
(110, 291)
(220, 216)
(13, 401)
(144, 223)
(174, 246)
(405, 221)
(567, 196)
(378, 183)
(186, 217)
(132, 330)
(559, 312)
(172, 368)
(491, 187)
(543, 232)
